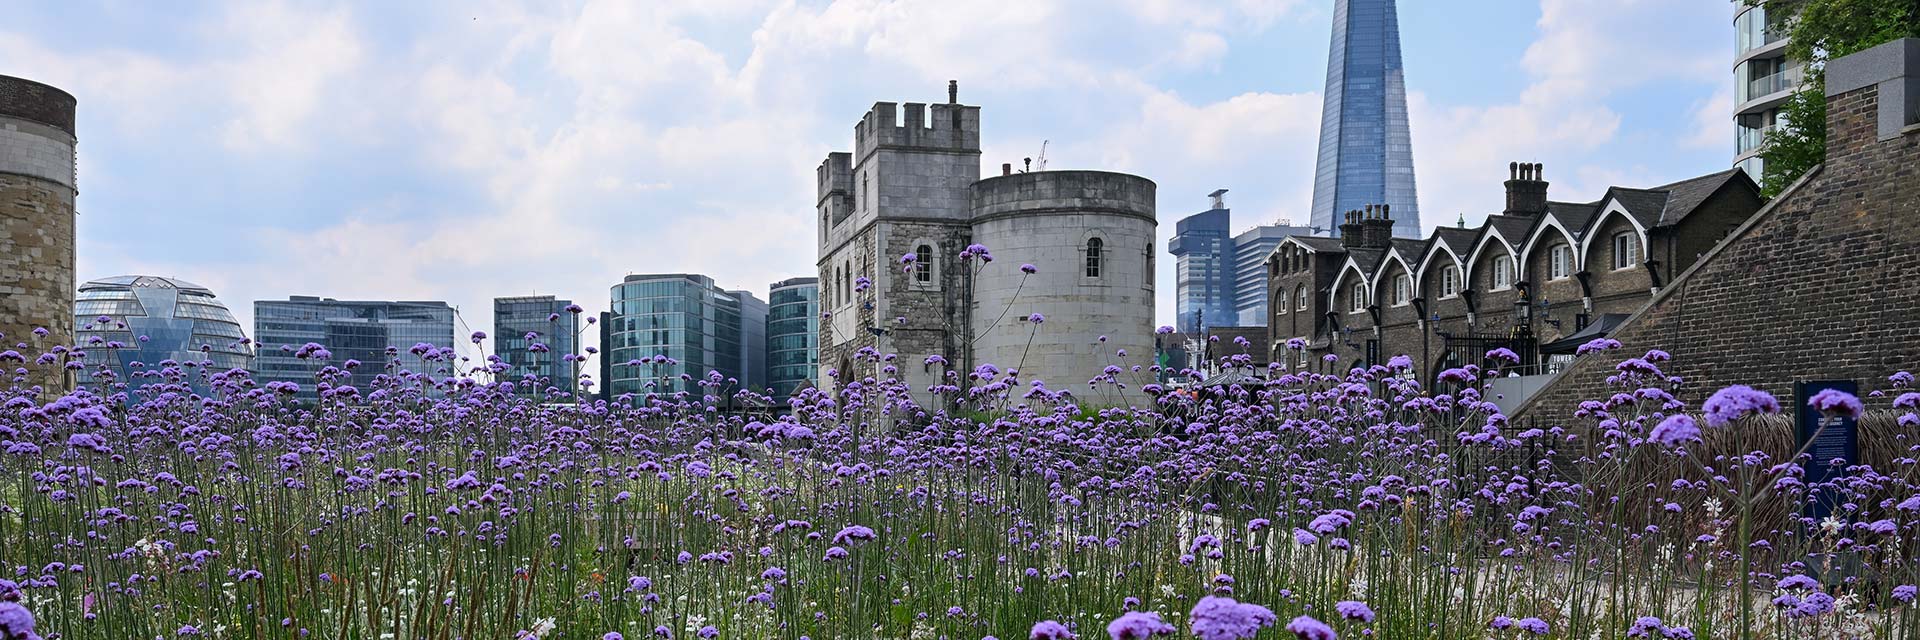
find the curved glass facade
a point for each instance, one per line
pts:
(132, 324)
(683, 317)
(793, 334)
(1366, 147)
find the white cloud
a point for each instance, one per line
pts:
(1712, 121)
(289, 61)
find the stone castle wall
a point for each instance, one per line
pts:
(37, 192)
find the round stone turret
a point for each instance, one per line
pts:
(37, 190)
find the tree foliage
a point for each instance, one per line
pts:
(1817, 31)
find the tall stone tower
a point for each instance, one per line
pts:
(1366, 147)
(903, 190)
(37, 190)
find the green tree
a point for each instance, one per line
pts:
(1817, 31)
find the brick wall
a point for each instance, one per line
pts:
(1823, 284)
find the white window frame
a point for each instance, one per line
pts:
(1449, 281)
(923, 274)
(1358, 303)
(1402, 289)
(1502, 272)
(1280, 304)
(1625, 249)
(1559, 262)
(1300, 298)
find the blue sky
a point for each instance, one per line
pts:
(466, 150)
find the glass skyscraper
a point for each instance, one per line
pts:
(1366, 149)
(1202, 249)
(1250, 250)
(133, 324)
(373, 332)
(666, 332)
(521, 322)
(793, 328)
(1220, 279)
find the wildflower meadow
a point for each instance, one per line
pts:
(1347, 502)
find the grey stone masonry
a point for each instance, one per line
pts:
(36, 222)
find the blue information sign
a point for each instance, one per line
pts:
(1831, 444)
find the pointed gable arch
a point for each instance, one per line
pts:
(1340, 281)
(1489, 240)
(1434, 249)
(1547, 222)
(1612, 209)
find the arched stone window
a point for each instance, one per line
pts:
(1300, 298)
(923, 264)
(1279, 302)
(1095, 247)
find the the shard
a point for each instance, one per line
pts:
(1366, 150)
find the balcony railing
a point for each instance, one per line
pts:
(1767, 84)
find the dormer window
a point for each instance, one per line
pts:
(1358, 301)
(1402, 289)
(1502, 273)
(1449, 281)
(1559, 262)
(1626, 248)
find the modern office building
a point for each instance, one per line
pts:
(1763, 79)
(519, 324)
(373, 332)
(133, 325)
(1366, 148)
(793, 327)
(1203, 280)
(1250, 250)
(753, 340)
(1220, 279)
(666, 332)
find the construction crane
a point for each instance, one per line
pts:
(1042, 164)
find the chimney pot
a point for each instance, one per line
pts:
(1513, 171)
(1006, 168)
(953, 92)
(1384, 209)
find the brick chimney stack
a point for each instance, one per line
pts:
(1378, 227)
(1526, 189)
(1352, 232)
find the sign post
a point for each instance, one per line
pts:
(1832, 444)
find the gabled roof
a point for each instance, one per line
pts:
(1368, 259)
(1573, 215)
(1686, 195)
(1318, 243)
(1512, 228)
(1460, 238)
(1644, 205)
(1410, 250)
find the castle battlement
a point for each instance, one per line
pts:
(916, 125)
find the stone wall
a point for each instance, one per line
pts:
(1047, 219)
(37, 195)
(1824, 283)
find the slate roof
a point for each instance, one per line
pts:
(1513, 228)
(1410, 250)
(1458, 238)
(1687, 195)
(1318, 243)
(1573, 215)
(1368, 259)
